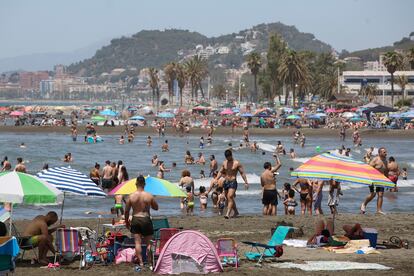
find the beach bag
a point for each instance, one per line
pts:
(338, 240)
(126, 255)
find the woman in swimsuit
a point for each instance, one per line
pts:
(305, 193)
(162, 169)
(188, 159)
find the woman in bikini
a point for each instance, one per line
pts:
(305, 193)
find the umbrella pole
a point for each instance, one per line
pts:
(61, 210)
(11, 218)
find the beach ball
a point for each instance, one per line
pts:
(318, 149)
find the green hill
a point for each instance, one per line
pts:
(156, 48)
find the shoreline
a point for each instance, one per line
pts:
(258, 228)
(284, 132)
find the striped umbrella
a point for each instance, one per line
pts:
(153, 185)
(327, 166)
(71, 181)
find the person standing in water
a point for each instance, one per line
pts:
(381, 164)
(268, 182)
(20, 167)
(231, 168)
(213, 165)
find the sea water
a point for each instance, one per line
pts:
(50, 148)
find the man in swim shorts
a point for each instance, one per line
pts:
(231, 167)
(40, 235)
(268, 182)
(107, 176)
(141, 224)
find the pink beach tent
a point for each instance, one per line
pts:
(188, 252)
(227, 112)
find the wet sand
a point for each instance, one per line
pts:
(257, 228)
(320, 132)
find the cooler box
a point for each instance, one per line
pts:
(371, 234)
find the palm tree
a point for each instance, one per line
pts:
(170, 75)
(293, 71)
(182, 80)
(196, 70)
(410, 57)
(154, 80)
(254, 63)
(393, 61)
(370, 91)
(402, 82)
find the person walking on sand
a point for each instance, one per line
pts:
(231, 167)
(268, 182)
(381, 164)
(141, 225)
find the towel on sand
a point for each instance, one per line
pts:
(331, 266)
(295, 243)
(362, 246)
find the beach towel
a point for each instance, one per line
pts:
(295, 243)
(126, 255)
(355, 246)
(331, 266)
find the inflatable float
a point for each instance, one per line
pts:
(90, 140)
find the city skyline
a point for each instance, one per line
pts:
(358, 25)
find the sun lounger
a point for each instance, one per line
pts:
(273, 249)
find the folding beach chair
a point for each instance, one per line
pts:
(273, 249)
(23, 242)
(158, 244)
(68, 244)
(157, 224)
(227, 251)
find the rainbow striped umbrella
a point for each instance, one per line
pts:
(327, 166)
(153, 185)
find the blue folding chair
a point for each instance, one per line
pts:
(273, 249)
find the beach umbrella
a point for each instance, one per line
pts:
(70, 181)
(22, 188)
(108, 112)
(246, 115)
(137, 117)
(293, 117)
(356, 119)
(327, 166)
(407, 115)
(132, 109)
(153, 185)
(166, 115)
(227, 112)
(236, 110)
(16, 113)
(349, 115)
(98, 119)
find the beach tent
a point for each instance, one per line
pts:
(369, 105)
(108, 112)
(380, 109)
(188, 252)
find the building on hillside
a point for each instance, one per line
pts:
(60, 71)
(117, 71)
(31, 80)
(223, 50)
(355, 80)
(354, 62)
(374, 66)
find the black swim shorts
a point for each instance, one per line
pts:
(142, 225)
(377, 189)
(106, 183)
(269, 197)
(230, 184)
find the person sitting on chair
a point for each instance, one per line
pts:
(40, 234)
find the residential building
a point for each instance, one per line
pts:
(31, 80)
(374, 66)
(223, 50)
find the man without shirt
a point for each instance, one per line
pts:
(380, 163)
(231, 167)
(268, 182)
(107, 175)
(141, 224)
(20, 167)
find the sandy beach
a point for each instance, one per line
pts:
(257, 228)
(320, 132)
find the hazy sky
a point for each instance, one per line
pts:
(33, 26)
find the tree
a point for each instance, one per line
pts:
(170, 75)
(196, 70)
(402, 82)
(154, 81)
(410, 57)
(254, 63)
(293, 71)
(392, 61)
(370, 91)
(277, 48)
(182, 80)
(219, 91)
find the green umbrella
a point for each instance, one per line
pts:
(98, 119)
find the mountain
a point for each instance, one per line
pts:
(46, 61)
(373, 54)
(154, 48)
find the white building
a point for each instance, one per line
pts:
(374, 66)
(354, 80)
(223, 50)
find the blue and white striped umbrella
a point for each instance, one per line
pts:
(71, 181)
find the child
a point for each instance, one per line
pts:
(202, 174)
(285, 193)
(119, 208)
(209, 139)
(290, 203)
(189, 201)
(201, 142)
(221, 200)
(149, 141)
(122, 140)
(203, 198)
(333, 198)
(404, 174)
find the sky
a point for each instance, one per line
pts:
(40, 26)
